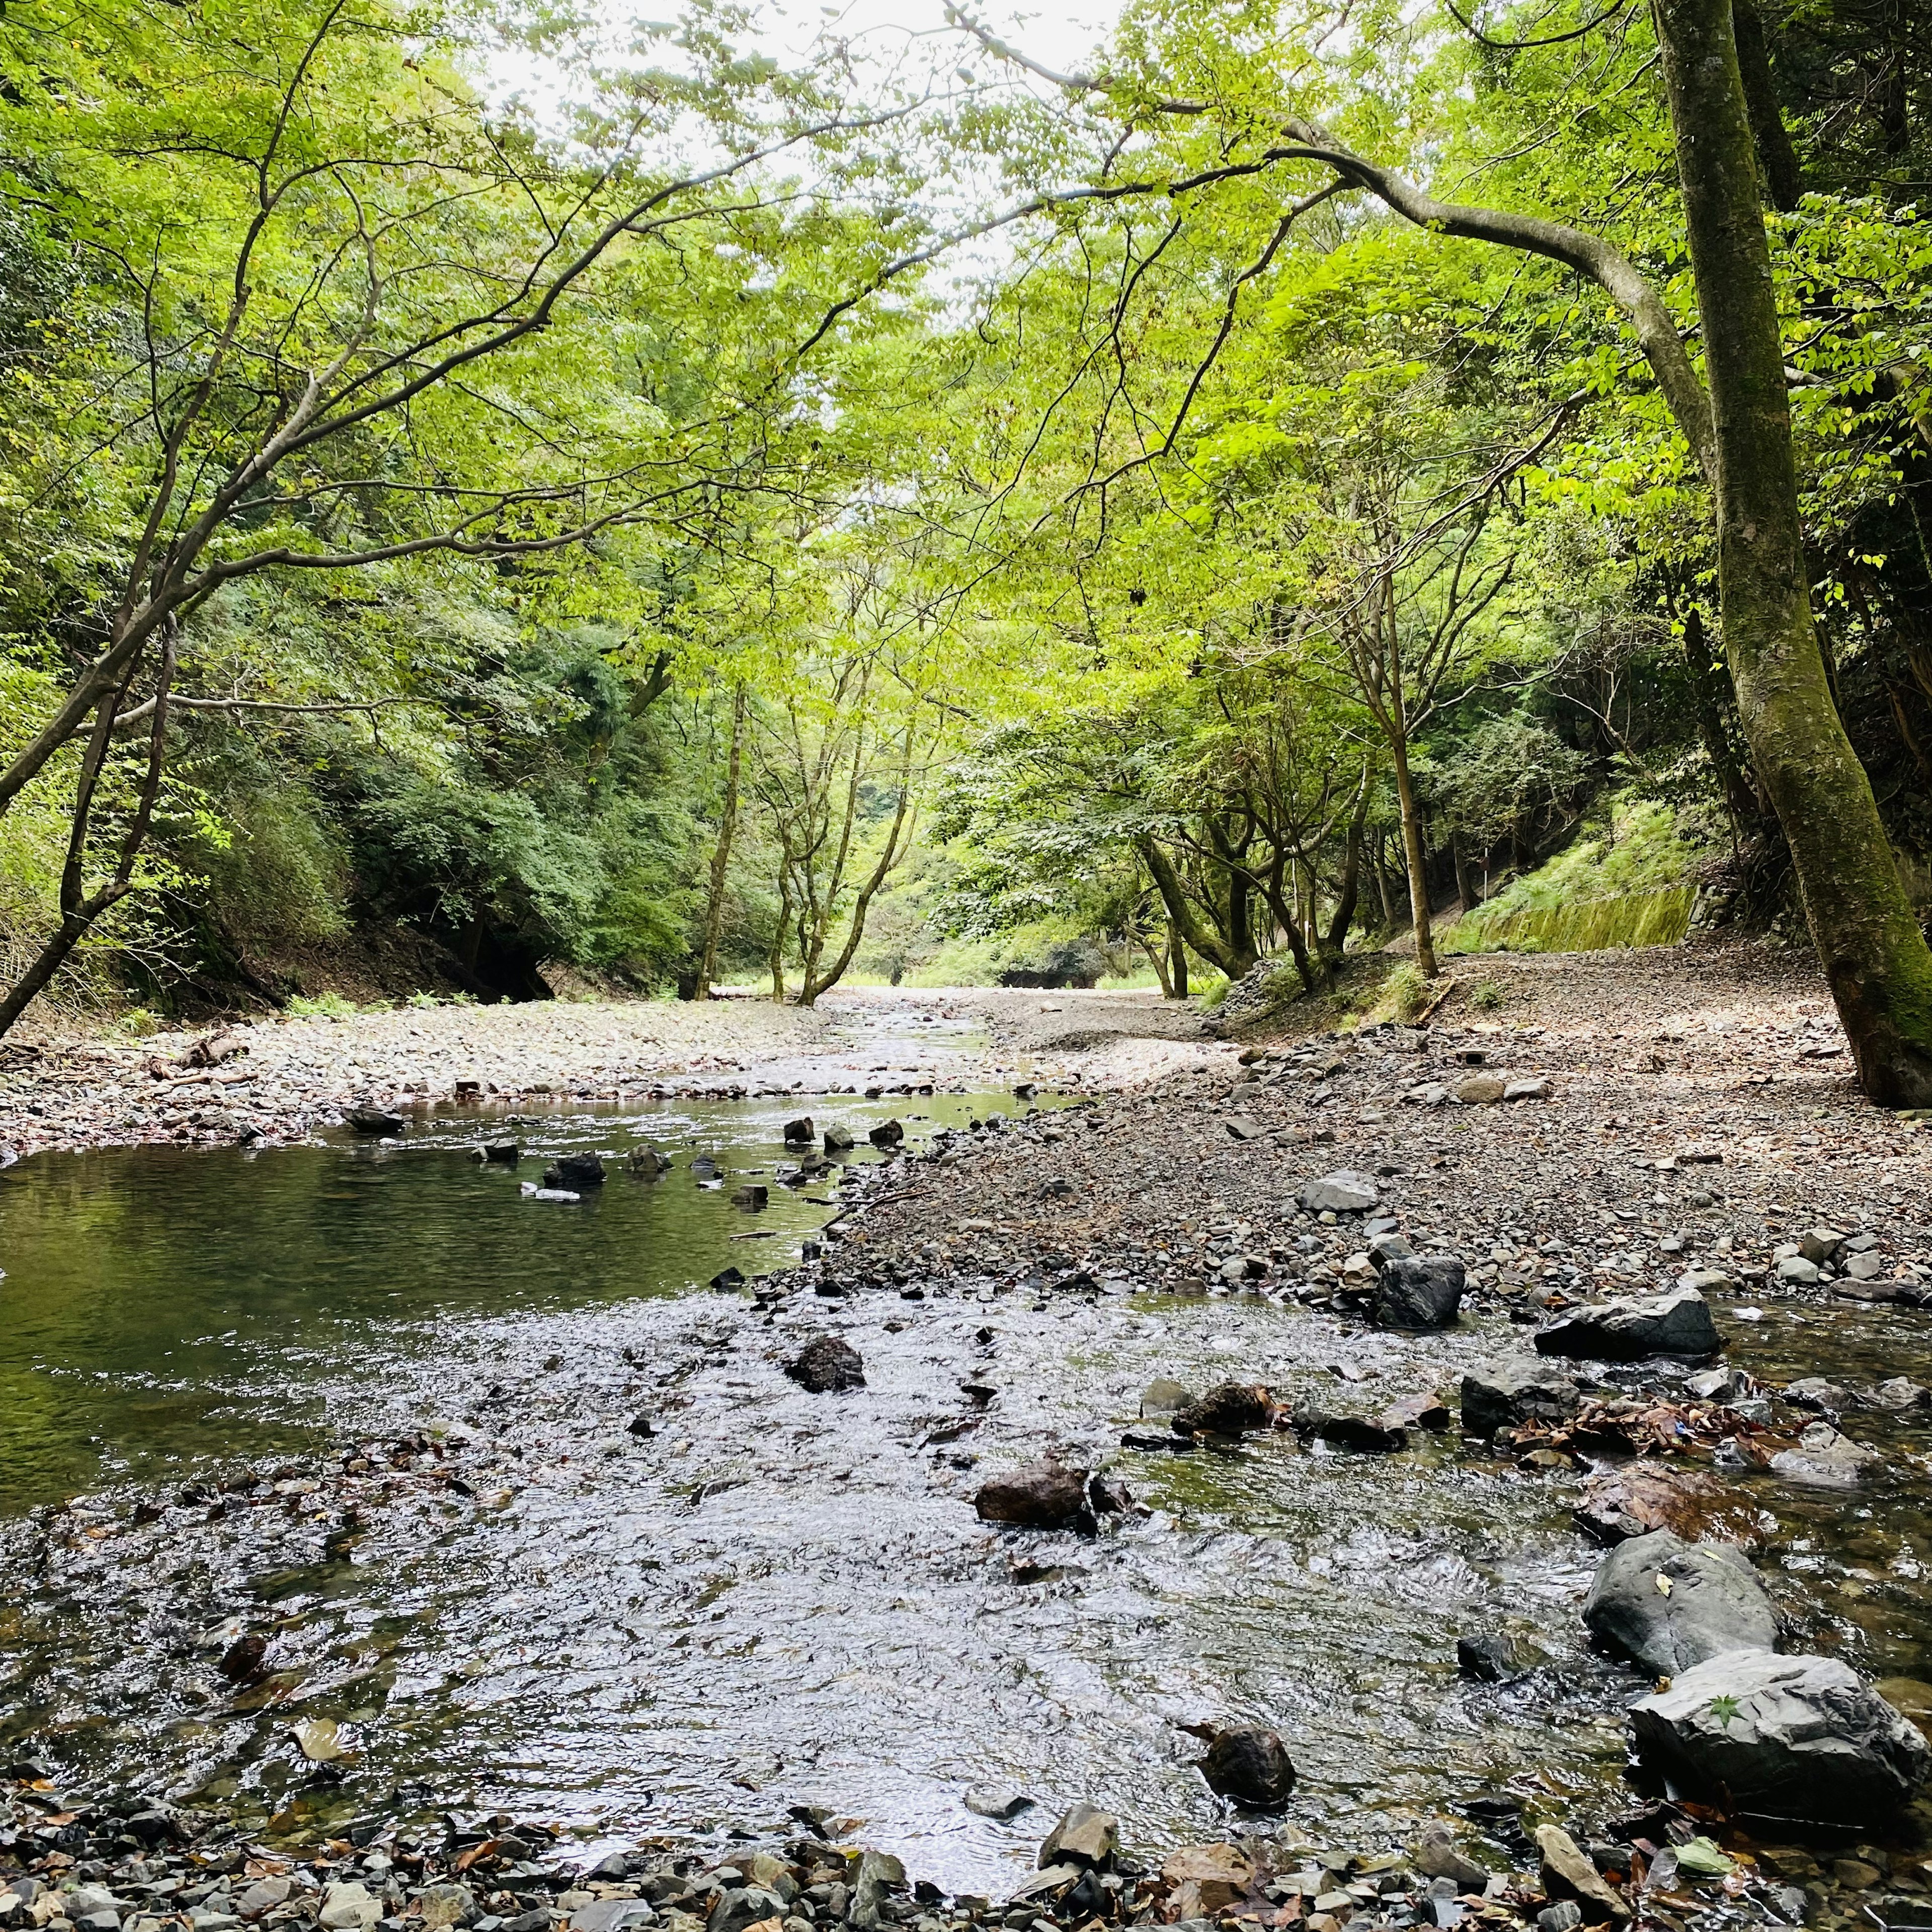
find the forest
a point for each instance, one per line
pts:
(496, 499)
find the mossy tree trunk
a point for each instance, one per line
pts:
(1868, 939)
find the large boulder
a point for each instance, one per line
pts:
(1507, 1394)
(1632, 1327)
(1046, 1494)
(1666, 1604)
(1251, 1766)
(1788, 1737)
(1412, 1293)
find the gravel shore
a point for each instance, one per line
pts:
(282, 1079)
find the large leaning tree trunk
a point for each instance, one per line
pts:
(1867, 936)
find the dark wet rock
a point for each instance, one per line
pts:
(827, 1364)
(1351, 1432)
(887, 1134)
(1627, 1329)
(641, 1426)
(1085, 1835)
(1413, 1293)
(800, 1132)
(1344, 1191)
(499, 1153)
(1616, 1504)
(1508, 1394)
(1567, 1872)
(728, 1277)
(577, 1171)
(1046, 1495)
(1251, 1766)
(1667, 1605)
(752, 1194)
(649, 1163)
(1791, 1737)
(374, 1120)
(704, 1167)
(1435, 1854)
(1057, 1189)
(1230, 1409)
(838, 1140)
(1387, 1248)
(1107, 1495)
(1493, 1656)
(241, 1661)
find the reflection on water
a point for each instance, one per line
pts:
(652, 1584)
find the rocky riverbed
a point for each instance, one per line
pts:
(1155, 1457)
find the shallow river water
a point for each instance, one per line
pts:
(772, 1598)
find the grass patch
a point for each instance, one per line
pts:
(1626, 886)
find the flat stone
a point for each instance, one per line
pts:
(1567, 1873)
(1218, 1875)
(346, 1908)
(996, 1800)
(1824, 1459)
(1344, 1191)
(1629, 1328)
(1789, 1737)
(1537, 1089)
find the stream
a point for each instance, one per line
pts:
(541, 1524)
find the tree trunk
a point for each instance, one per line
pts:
(1418, 869)
(1178, 961)
(1382, 885)
(1874, 956)
(1776, 156)
(1465, 892)
(720, 857)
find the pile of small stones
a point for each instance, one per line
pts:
(132, 1862)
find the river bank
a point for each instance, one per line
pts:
(606, 1563)
(277, 1081)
